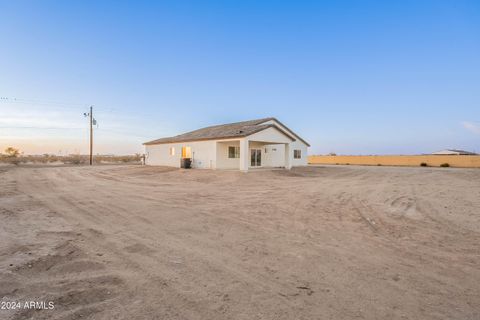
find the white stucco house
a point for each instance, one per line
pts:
(260, 143)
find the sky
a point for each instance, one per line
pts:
(350, 77)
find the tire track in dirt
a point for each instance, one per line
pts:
(85, 209)
(270, 245)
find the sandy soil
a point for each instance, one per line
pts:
(131, 242)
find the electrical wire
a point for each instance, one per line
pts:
(67, 105)
(64, 128)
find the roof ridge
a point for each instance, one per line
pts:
(228, 131)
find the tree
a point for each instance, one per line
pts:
(12, 152)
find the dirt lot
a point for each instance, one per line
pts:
(132, 242)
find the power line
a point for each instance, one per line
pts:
(47, 104)
(123, 133)
(65, 105)
(100, 129)
(60, 105)
(46, 128)
(36, 102)
(22, 100)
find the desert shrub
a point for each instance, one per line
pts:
(14, 160)
(444, 165)
(11, 156)
(10, 160)
(423, 164)
(48, 158)
(75, 159)
(379, 164)
(12, 152)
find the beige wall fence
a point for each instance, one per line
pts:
(430, 160)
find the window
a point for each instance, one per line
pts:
(297, 154)
(186, 152)
(233, 152)
(171, 151)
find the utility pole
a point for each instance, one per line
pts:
(92, 122)
(91, 135)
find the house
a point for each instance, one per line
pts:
(454, 152)
(242, 145)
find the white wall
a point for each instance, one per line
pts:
(296, 145)
(203, 153)
(276, 158)
(213, 154)
(223, 161)
(264, 140)
(299, 145)
(275, 155)
(270, 135)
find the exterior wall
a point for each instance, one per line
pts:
(213, 154)
(295, 145)
(244, 156)
(460, 161)
(275, 156)
(223, 161)
(269, 158)
(203, 154)
(269, 135)
(299, 145)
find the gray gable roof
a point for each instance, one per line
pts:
(226, 131)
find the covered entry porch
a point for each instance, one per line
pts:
(267, 149)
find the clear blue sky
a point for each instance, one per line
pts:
(352, 77)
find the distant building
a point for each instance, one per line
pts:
(454, 152)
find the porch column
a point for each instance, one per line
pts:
(288, 156)
(244, 155)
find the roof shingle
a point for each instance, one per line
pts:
(223, 131)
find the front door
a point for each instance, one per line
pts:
(255, 157)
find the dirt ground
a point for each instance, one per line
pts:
(331, 242)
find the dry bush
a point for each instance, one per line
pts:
(10, 160)
(11, 156)
(76, 159)
(12, 152)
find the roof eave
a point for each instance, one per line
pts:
(290, 130)
(193, 140)
(292, 137)
(276, 127)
